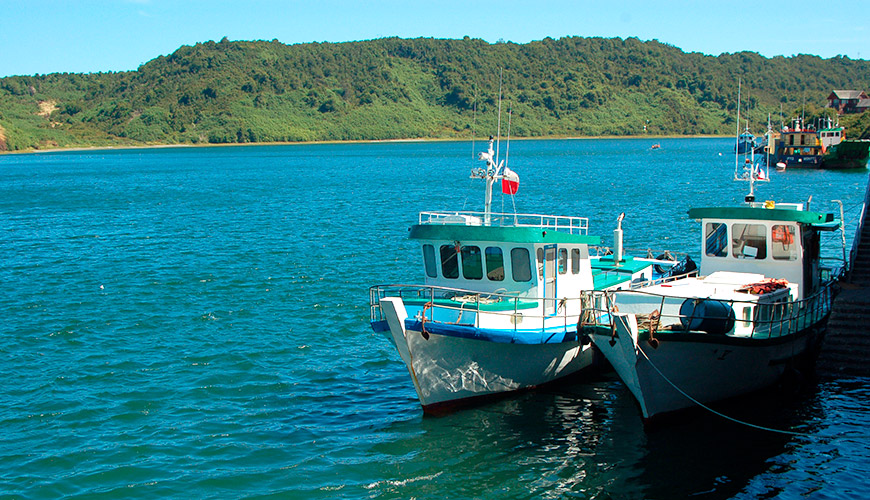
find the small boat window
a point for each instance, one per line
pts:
(540, 254)
(782, 242)
(749, 241)
(716, 239)
(449, 262)
(521, 265)
(575, 261)
(494, 264)
(429, 261)
(563, 260)
(472, 266)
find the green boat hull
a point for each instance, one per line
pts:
(846, 155)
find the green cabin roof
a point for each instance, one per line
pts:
(514, 234)
(768, 214)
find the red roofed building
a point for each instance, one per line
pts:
(848, 101)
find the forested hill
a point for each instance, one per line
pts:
(237, 92)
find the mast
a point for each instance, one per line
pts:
(737, 134)
(751, 196)
(490, 174)
(751, 171)
(495, 169)
(491, 169)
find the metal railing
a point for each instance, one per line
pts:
(658, 313)
(571, 225)
(528, 315)
(641, 253)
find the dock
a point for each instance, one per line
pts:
(845, 350)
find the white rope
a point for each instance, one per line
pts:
(711, 410)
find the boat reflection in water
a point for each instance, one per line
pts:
(583, 439)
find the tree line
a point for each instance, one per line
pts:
(393, 88)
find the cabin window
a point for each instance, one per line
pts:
(716, 239)
(575, 261)
(782, 239)
(429, 261)
(472, 265)
(563, 260)
(494, 264)
(449, 262)
(521, 264)
(540, 255)
(749, 241)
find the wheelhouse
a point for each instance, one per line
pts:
(525, 255)
(774, 240)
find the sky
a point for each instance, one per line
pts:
(85, 36)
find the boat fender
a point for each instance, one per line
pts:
(715, 317)
(423, 331)
(654, 319)
(665, 256)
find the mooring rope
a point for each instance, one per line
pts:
(741, 422)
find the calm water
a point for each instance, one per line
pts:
(193, 323)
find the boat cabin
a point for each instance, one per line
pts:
(831, 136)
(772, 240)
(518, 254)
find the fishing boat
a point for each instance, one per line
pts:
(758, 307)
(501, 299)
(848, 154)
(799, 146)
(745, 142)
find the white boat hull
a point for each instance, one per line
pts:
(447, 369)
(678, 373)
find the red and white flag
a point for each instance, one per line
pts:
(510, 183)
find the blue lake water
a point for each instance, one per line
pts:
(193, 322)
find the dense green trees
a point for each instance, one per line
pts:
(237, 92)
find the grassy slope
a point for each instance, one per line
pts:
(237, 92)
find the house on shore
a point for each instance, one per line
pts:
(848, 101)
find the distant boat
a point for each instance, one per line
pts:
(804, 146)
(745, 142)
(847, 154)
(799, 146)
(656, 146)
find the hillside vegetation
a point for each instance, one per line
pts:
(237, 92)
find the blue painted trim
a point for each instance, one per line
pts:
(529, 337)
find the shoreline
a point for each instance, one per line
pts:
(369, 141)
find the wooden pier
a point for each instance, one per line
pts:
(846, 348)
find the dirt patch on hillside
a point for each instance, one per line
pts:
(46, 108)
(3, 146)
